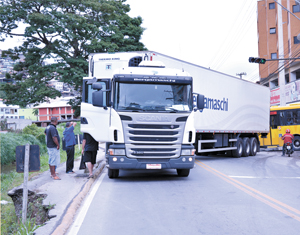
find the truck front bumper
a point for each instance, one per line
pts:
(123, 162)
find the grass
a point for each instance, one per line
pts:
(9, 220)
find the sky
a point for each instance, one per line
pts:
(216, 34)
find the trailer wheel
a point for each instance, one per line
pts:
(183, 172)
(113, 173)
(253, 146)
(239, 151)
(246, 147)
(296, 143)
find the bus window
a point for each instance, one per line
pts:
(281, 118)
(289, 118)
(273, 121)
(297, 117)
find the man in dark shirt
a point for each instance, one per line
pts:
(53, 140)
(89, 149)
(70, 142)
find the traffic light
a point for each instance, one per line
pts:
(257, 60)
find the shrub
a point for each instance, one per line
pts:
(36, 131)
(10, 141)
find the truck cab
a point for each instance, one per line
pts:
(143, 111)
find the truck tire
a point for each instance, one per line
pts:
(113, 173)
(246, 147)
(239, 151)
(296, 143)
(183, 172)
(253, 146)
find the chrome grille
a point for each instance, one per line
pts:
(146, 140)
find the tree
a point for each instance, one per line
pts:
(65, 33)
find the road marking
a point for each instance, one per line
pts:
(286, 209)
(257, 177)
(85, 206)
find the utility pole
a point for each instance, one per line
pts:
(281, 77)
(241, 74)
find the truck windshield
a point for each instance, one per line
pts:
(153, 97)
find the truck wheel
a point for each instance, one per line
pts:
(113, 173)
(183, 172)
(253, 146)
(296, 143)
(246, 147)
(239, 151)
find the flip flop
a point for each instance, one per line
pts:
(91, 176)
(56, 178)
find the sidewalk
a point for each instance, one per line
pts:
(65, 194)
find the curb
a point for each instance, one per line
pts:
(71, 212)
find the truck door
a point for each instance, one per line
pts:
(96, 120)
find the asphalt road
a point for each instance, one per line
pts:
(222, 195)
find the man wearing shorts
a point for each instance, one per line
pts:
(89, 151)
(53, 146)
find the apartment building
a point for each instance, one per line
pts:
(267, 25)
(8, 111)
(58, 108)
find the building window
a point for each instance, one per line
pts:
(296, 41)
(273, 56)
(296, 8)
(272, 30)
(272, 5)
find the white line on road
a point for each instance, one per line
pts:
(258, 177)
(81, 213)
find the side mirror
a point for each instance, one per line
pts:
(97, 86)
(200, 101)
(97, 98)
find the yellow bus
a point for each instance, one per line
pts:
(282, 118)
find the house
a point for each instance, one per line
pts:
(9, 115)
(55, 108)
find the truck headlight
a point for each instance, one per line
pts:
(188, 152)
(116, 152)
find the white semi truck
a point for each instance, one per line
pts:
(155, 112)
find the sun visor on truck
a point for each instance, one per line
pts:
(152, 79)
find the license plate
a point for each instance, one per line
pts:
(153, 166)
(288, 147)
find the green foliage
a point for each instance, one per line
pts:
(10, 141)
(66, 32)
(3, 124)
(36, 131)
(28, 228)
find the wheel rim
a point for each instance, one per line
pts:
(240, 146)
(254, 148)
(248, 148)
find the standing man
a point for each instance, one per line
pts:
(53, 146)
(70, 142)
(89, 149)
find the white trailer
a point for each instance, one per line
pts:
(152, 110)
